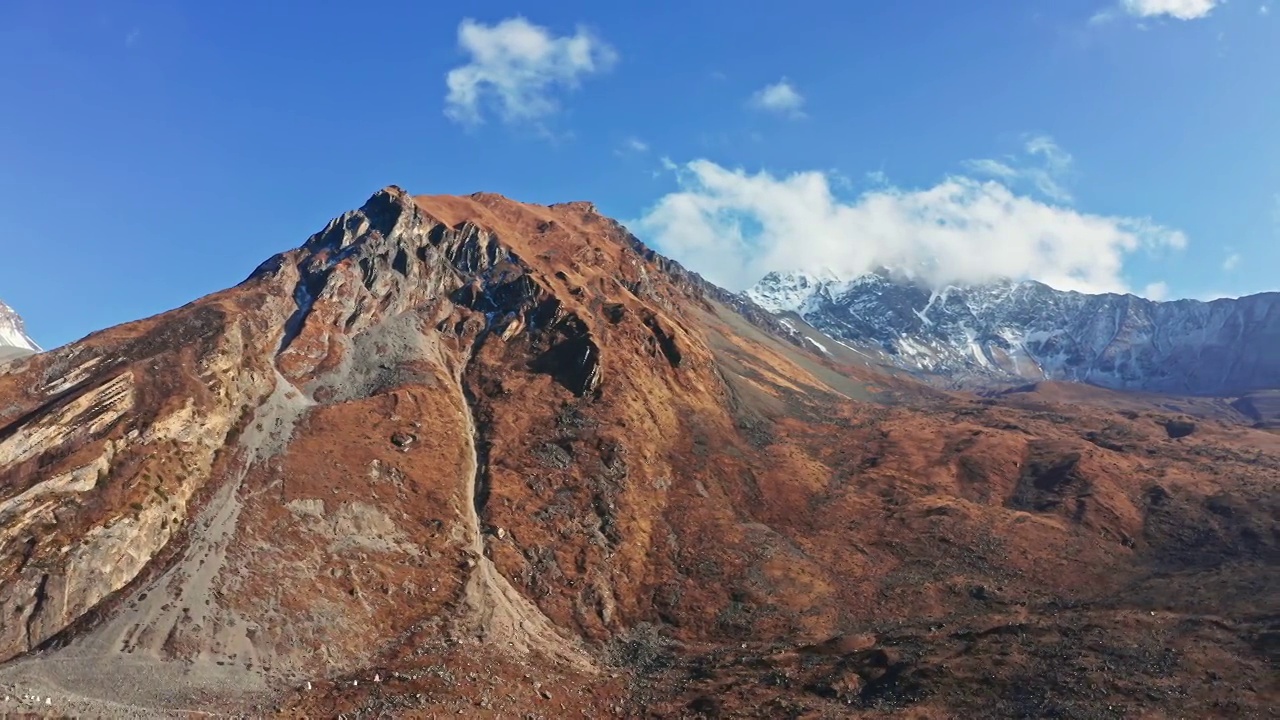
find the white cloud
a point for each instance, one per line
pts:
(1264, 9)
(1156, 291)
(780, 97)
(877, 178)
(515, 67)
(1056, 160)
(734, 227)
(1178, 9)
(666, 166)
(1232, 262)
(633, 145)
(1048, 175)
(132, 37)
(991, 168)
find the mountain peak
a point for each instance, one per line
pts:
(584, 207)
(13, 334)
(792, 291)
(786, 291)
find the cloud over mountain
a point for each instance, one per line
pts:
(734, 226)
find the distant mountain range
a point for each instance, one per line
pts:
(14, 340)
(1007, 331)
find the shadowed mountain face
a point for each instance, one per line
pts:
(1006, 331)
(466, 455)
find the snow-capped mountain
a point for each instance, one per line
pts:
(1007, 331)
(13, 335)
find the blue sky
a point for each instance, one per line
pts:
(154, 152)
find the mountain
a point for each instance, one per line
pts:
(469, 456)
(1006, 331)
(14, 341)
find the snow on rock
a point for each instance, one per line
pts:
(13, 334)
(1007, 331)
(783, 292)
(818, 345)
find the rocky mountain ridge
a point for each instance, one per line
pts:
(469, 456)
(1008, 332)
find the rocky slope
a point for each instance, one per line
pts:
(1007, 331)
(14, 341)
(466, 456)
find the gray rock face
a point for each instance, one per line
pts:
(383, 296)
(1009, 331)
(14, 341)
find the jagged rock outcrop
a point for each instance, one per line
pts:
(1011, 331)
(126, 481)
(462, 454)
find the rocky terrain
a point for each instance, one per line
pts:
(1263, 407)
(1008, 331)
(467, 456)
(14, 341)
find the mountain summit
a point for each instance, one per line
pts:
(1007, 331)
(470, 456)
(14, 340)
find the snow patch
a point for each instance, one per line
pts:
(818, 345)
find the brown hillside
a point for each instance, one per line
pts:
(470, 456)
